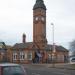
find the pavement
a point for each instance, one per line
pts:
(59, 66)
(63, 66)
(49, 69)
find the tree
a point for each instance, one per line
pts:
(72, 47)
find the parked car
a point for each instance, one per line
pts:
(12, 69)
(72, 60)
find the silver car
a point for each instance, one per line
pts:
(11, 69)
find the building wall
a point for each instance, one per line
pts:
(62, 57)
(20, 56)
(47, 56)
(1, 57)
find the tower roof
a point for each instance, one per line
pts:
(39, 4)
(24, 34)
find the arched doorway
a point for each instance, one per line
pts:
(37, 57)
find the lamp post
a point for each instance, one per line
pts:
(53, 46)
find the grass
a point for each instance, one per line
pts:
(73, 66)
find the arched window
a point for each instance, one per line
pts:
(14, 56)
(22, 55)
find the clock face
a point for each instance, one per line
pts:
(36, 18)
(42, 18)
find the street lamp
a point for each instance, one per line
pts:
(53, 46)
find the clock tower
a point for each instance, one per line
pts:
(39, 23)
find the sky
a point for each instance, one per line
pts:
(16, 18)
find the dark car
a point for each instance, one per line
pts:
(12, 69)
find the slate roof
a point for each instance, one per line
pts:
(47, 48)
(61, 48)
(22, 45)
(57, 47)
(39, 4)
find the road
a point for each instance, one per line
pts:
(42, 70)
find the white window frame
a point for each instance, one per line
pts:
(25, 55)
(22, 55)
(29, 56)
(49, 56)
(15, 55)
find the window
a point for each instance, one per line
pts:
(22, 56)
(60, 58)
(49, 56)
(25, 55)
(29, 56)
(14, 56)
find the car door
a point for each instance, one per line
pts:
(1, 70)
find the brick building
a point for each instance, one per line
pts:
(38, 51)
(3, 52)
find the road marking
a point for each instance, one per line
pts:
(35, 74)
(61, 73)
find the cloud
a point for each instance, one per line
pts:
(16, 17)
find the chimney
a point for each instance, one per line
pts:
(24, 38)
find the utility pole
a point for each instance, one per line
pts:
(53, 47)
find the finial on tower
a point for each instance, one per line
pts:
(39, 1)
(24, 38)
(39, 4)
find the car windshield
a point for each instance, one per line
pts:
(73, 59)
(13, 70)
